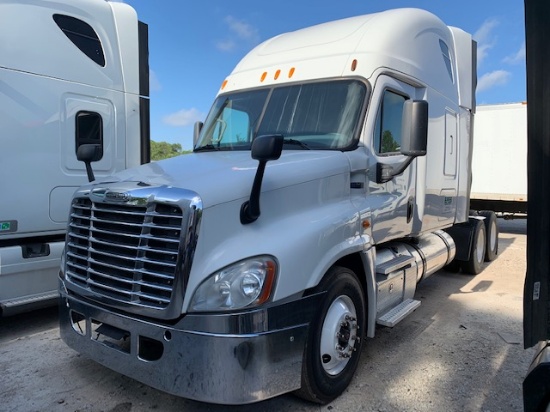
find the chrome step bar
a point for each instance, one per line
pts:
(398, 313)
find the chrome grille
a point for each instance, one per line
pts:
(128, 253)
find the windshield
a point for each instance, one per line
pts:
(323, 115)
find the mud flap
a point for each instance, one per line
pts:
(463, 235)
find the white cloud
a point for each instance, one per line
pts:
(485, 38)
(239, 30)
(184, 117)
(516, 58)
(484, 32)
(226, 45)
(492, 79)
(154, 83)
(242, 29)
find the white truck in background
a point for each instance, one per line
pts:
(499, 160)
(71, 73)
(331, 175)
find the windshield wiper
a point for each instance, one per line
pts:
(207, 148)
(296, 142)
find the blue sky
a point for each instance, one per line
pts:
(194, 45)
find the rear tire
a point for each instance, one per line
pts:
(335, 339)
(491, 229)
(474, 265)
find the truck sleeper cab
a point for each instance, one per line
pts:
(80, 76)
(350, 143)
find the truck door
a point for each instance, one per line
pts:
(536, 298)
(443, 204)
(392, 203)
(450, 144)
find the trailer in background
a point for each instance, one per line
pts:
(499, 171)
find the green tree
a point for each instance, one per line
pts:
(164, 150)
(389, 144)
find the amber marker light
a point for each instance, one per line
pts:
(264, 75)
(224, 84)
(354, 65)
(366, 224)
(291, 72)
(277, 74)
(268, 283)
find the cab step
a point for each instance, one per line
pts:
(28, 303)
(398, 313)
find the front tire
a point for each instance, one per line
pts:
(335, 338)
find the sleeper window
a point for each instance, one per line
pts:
(83, 36)
(446, 58)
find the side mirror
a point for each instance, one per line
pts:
(89, 153)
(414, 139)
(268, 147)
(196, 132)
(414, 136)
(264, 149)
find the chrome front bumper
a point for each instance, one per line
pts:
(233, 358)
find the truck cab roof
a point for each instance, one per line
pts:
(400, 39)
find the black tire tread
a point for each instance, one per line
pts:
(472, 266)
(490, 217)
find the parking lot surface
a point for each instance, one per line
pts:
(461, 350)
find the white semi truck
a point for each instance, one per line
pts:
(71, 73)
(499, 159)
(331, 175)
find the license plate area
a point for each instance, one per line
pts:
(147, 349)
(101, 332)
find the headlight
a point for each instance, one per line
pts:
(246, 283)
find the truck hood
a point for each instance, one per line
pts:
(219, 177)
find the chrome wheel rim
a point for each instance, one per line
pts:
(480, 246)
(339, 335)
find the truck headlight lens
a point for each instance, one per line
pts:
(246, 283)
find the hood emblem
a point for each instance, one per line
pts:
(117, 196)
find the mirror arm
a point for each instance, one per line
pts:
(250, 210)
(385, 172)
(89, 171)
(89, 153)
